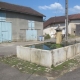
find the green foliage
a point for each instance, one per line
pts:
(47, 36)
(65, 65)
(53, 45)
(58, 45)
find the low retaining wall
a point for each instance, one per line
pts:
(62, 54)
(38, 56)
(46, 57)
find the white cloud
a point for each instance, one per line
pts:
(75, 9)
(52, 6)
(58, 8)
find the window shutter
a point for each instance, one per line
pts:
(29, 24)
(33, 25)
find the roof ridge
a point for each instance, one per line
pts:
(15, 4)
(19, 8)
(64, 15)
(57, 16)
(61, 19)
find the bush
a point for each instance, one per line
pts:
(47, 36)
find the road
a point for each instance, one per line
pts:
(10, 48)
(74, 75)
(9, 73)
(7, 50)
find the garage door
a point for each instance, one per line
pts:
(5, 31)
(31, 35)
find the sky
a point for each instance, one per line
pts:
(49, 8)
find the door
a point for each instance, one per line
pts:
(77, 32)
(34, 34)
(0, 33)
(5, 31)
(31, 35)
(31, 25)
(9, 31)
(2, 16)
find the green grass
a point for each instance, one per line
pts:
(65, 65)
(25, 66)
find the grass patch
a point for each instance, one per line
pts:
(24, 66)
(65, 65)
(27, 67)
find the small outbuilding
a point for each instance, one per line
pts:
(52, 23)
(19, 23)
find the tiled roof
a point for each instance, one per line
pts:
(19, 9)
(60, 19)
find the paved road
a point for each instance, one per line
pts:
(9, 73)
(7, 49)
(10, 48)
(74, 75)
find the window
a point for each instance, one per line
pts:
(2, 16)
(31, 24)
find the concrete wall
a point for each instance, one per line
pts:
(73, 24)
(48, 58)
(20, 25)
(38, 56)
(66, 53)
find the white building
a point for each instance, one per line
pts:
(51, 24)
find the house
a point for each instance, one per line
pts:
(19, 23)
(51, 24)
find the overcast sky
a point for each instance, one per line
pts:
(49, 7)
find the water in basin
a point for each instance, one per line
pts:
(46, 46)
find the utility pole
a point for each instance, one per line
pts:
(66, 17)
